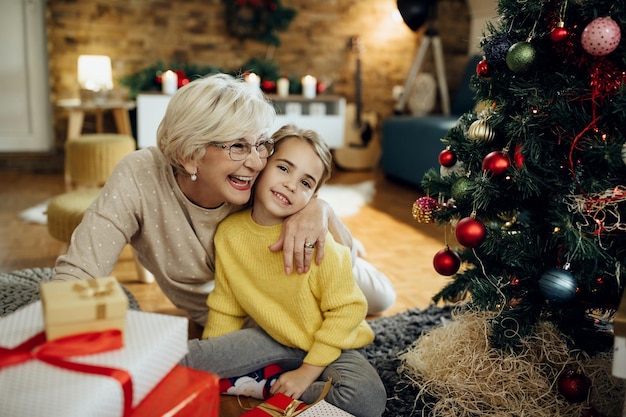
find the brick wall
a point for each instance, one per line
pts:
(139, 33)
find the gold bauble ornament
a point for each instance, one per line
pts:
(480, 130)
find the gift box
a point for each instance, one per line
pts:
(277, 406)
(72, 307)
(56, 378)
(280, 405)
(324, 409)
(184, 392)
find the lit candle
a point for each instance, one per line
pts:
(309, 86)
(169, 82)
(254, 80)
(282, 87)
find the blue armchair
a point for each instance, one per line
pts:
(411, 144)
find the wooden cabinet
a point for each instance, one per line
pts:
(325, 114)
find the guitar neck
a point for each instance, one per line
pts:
(357, 92)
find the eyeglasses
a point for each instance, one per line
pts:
(239, 151)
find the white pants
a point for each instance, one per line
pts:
(377, 288)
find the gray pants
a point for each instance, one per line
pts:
(356, 386)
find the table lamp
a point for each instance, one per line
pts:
(94, 77)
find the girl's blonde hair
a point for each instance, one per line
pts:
(312, 138)
(215, 108)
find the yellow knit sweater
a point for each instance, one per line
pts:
(321, 312)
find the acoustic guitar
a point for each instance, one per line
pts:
(361, 150)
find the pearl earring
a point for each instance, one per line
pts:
(194, 177)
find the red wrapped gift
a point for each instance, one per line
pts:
(277, 406)
(184, 392)
(281, 405)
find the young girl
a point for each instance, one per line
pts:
(309, 325)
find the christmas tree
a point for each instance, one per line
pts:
(533, 182)
(533, 185)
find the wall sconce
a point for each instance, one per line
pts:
(94, 77)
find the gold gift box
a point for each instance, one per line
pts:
(91, 305)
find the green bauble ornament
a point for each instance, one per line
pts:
(459, 188)
(520, 56)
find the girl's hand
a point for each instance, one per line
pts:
(294, 383)
(308, 226)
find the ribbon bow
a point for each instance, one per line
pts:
(290, 410)
(94, 288)
(293, 407)
(57, 351)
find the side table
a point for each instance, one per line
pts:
(76, 110)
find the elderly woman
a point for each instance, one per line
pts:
(167, 202)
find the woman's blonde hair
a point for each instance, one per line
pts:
(215, 108)
(312, 138)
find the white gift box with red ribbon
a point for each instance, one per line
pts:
(37, 382)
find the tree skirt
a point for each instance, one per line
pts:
(395, 334)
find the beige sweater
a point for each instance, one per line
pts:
(141, 204)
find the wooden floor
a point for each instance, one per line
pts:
(399, 246)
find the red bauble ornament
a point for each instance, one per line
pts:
(447, 262)
(470, 232)
(268, 86)
(574, 386)
(483, 69)
(496, 162)
(559, 33)
(447, 158)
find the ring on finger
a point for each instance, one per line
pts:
(309, 245)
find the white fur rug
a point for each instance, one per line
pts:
(36, 214)
(346, 200)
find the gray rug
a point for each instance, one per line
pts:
(393, 335)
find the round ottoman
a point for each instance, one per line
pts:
(90, 158)
(66, 211)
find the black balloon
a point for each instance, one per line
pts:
(415, 12)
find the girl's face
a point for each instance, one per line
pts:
(222, 179)
(288, 183)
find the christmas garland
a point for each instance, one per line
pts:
(257, 19)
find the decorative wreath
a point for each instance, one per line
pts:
(257, 19)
